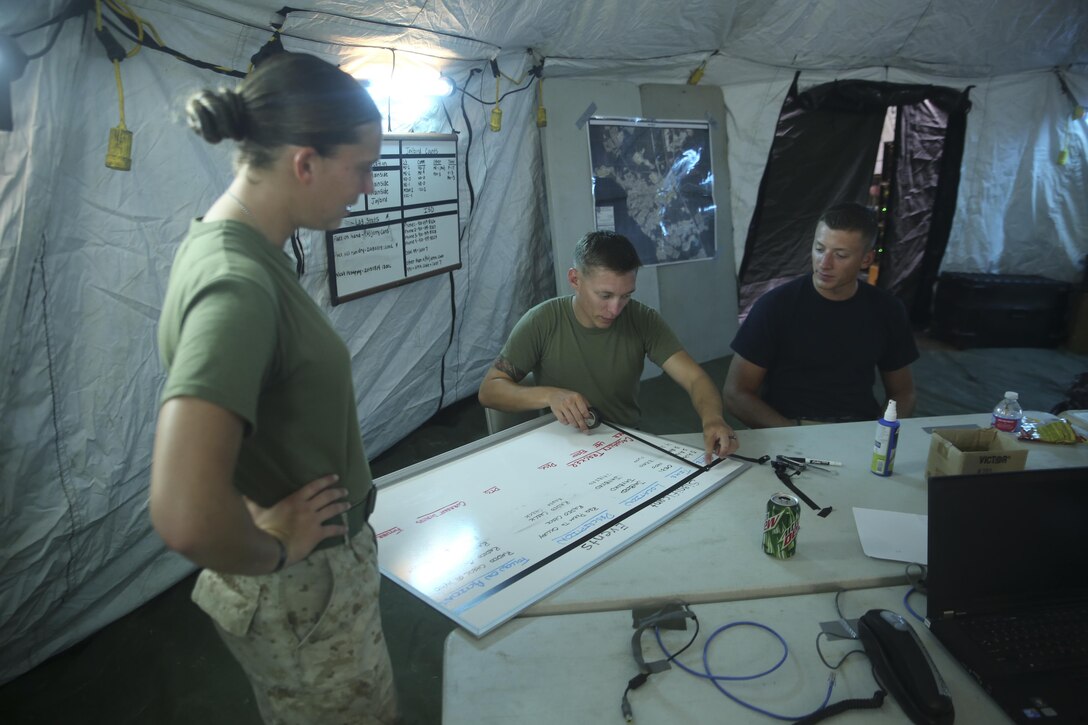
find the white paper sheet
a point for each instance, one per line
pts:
(893, 535)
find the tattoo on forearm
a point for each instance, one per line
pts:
(504, 366)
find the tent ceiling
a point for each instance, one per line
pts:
(948, 37)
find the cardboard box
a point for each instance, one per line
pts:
(974, 450)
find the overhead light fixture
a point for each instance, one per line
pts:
(402, 88)
(402, 80)
(444, 86)
(405, 91)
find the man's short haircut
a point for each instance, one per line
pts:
(851, 217)
(608, 250)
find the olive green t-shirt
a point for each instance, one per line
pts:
(604, 365)
(238, 330)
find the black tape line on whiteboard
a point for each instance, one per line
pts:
(595, 419)
(586, 537)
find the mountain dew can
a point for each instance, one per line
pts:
(780, 526)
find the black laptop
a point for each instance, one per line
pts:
(1008, 586)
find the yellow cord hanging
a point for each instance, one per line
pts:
(122, 9)
(496, 112)
(119, 147)
(541, 113)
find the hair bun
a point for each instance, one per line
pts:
(216, 115)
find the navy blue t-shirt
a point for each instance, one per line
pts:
(821, 355)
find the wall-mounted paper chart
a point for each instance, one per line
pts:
(482, 532)
(408, 228)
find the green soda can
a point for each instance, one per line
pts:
(780, 526)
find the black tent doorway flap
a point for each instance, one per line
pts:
(824, 152)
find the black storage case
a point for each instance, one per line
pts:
(1000, 310)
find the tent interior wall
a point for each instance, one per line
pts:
(85, 250)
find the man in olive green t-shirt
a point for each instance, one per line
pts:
(588, 349)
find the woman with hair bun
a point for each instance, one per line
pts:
(258, 473)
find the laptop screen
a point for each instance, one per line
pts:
(1001, 541)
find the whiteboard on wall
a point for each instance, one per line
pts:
(408, 228)
(484, 531)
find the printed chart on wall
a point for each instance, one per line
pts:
(483, 532)
(408, 228)
(653, 182)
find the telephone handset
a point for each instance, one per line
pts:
(904, 667)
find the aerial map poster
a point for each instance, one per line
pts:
(653, 183)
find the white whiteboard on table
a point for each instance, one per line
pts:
(482, 534)
(408, 229)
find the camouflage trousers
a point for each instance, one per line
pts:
(309, 637)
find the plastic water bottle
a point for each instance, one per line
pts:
(1008, 414)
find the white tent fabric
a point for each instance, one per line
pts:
(1018, 210)
(85, 251)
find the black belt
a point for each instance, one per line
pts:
(830, 419)
(367, 503)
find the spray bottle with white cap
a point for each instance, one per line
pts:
(887, 437)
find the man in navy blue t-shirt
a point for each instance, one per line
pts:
(808, 350)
